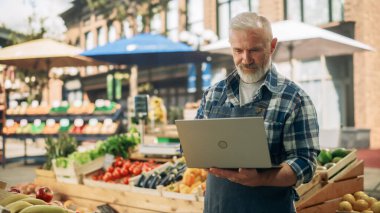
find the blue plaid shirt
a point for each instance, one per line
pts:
(289, 115)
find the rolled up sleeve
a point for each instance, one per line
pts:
(301, 140)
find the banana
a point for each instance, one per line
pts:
(17, 206)
(12, 198)
(34, 201)
(45, 209)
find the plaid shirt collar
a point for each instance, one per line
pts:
(274, 82)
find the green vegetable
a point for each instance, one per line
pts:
(56, 148)
(340, 152)
(324, 157)
(120, 145)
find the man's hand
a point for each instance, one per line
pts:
(248, 177)
(283, 176)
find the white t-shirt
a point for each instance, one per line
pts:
(247, 91)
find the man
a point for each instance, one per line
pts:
(255, 88)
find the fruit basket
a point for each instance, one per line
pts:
(334, 161)
(73, 172)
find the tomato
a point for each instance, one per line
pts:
(137, 170)
(116, 174)
(110, 169)
(126, 180)
(118, 163)
(107, 177)
(124, 172)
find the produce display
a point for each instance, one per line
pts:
(81, 108)
(359, 202)
(157, 112)
(10, 127)
(193, 180)
(122, 170)
(59, 108)
(105, 106)
(52, 127)
(37, 127)
(63, 146)
(169, 175)
(328, 158)
(76, 108)
(35, 109)
(30, 198)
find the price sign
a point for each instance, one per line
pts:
(13, 104)
(78, 122)
(23, 122)
(65, 104)
(77, 103)
(9, 123)
(34, 104)
(99, 103)
(37, 122)
(141, 105)
(64, 122)
(56, 104)
(107, 122)
(50, 122)
(108, 160)
(93, 122)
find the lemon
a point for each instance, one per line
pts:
(360, 205)
(371, 200)
(376, 207)
(345, 206)
(349, 197)
(360, 195)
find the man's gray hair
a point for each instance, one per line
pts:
(250, 21)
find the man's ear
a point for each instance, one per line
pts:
(273, 45)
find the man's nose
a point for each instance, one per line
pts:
(247, 59)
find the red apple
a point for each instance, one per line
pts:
(44, 193)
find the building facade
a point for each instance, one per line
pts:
(345, 93)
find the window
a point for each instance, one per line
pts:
(155, 24)
(314, 12)
(230, 8)
(89, 40)
(139, 24)
(127, 29)
(172, 20)
(101, 36)
(195, 16)
(111, 33)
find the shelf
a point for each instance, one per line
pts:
(79, 137)
(31, 118)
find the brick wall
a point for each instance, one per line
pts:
(273, 10)
(366, 66)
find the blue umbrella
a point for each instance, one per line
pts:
(146, 50)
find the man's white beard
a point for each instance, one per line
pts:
(255, 76)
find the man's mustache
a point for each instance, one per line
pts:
(249, 66)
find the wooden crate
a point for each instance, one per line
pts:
(45, 173)
(122, 201)
(74, 172)
(304, 188)
(334, 170)
(325, 196)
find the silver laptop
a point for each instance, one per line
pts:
(224, 143)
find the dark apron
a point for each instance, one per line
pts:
(223, 195)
